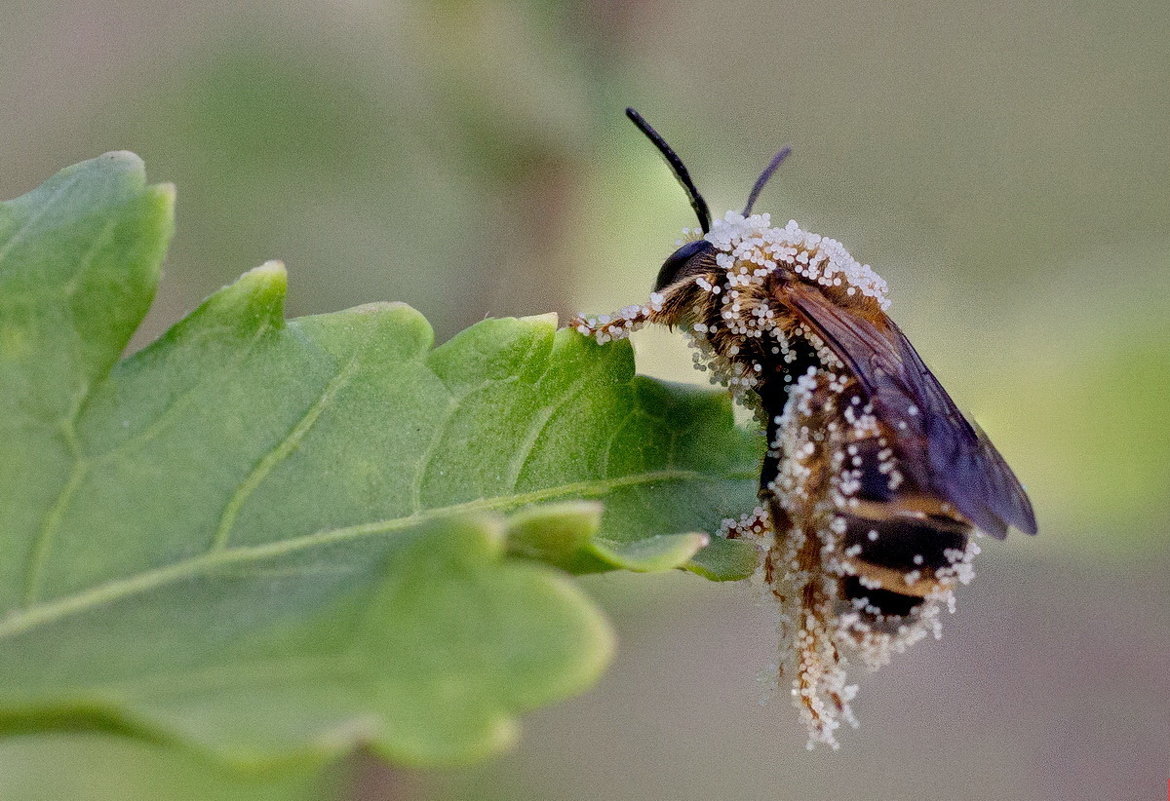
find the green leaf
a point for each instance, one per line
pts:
(79, 260)
(270, 539)
(557, 533)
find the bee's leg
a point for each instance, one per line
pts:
(619, 325)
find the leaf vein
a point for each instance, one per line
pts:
(282, 450)
(180, 402)
(539, 425)
(428, 455)
(43, 544)
(117, 589)
(607, 452)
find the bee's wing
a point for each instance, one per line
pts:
(946, 454)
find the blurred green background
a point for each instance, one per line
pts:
(1004, 166)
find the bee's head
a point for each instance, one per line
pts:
(693, 258)
(697, 257)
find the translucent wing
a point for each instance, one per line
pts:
(943, 454)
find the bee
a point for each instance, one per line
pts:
(873, 485)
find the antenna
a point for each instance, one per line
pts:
(764, 176)
(679, 169)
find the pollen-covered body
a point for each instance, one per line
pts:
(862, 535)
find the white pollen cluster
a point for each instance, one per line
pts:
(750, 245)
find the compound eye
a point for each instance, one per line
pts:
(690, 258)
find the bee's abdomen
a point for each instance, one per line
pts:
(870, 470)
(897, 546)
(904, 543)
(836, 477)
(898, 557)
(876, 601)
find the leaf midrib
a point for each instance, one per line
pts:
(48, 612)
